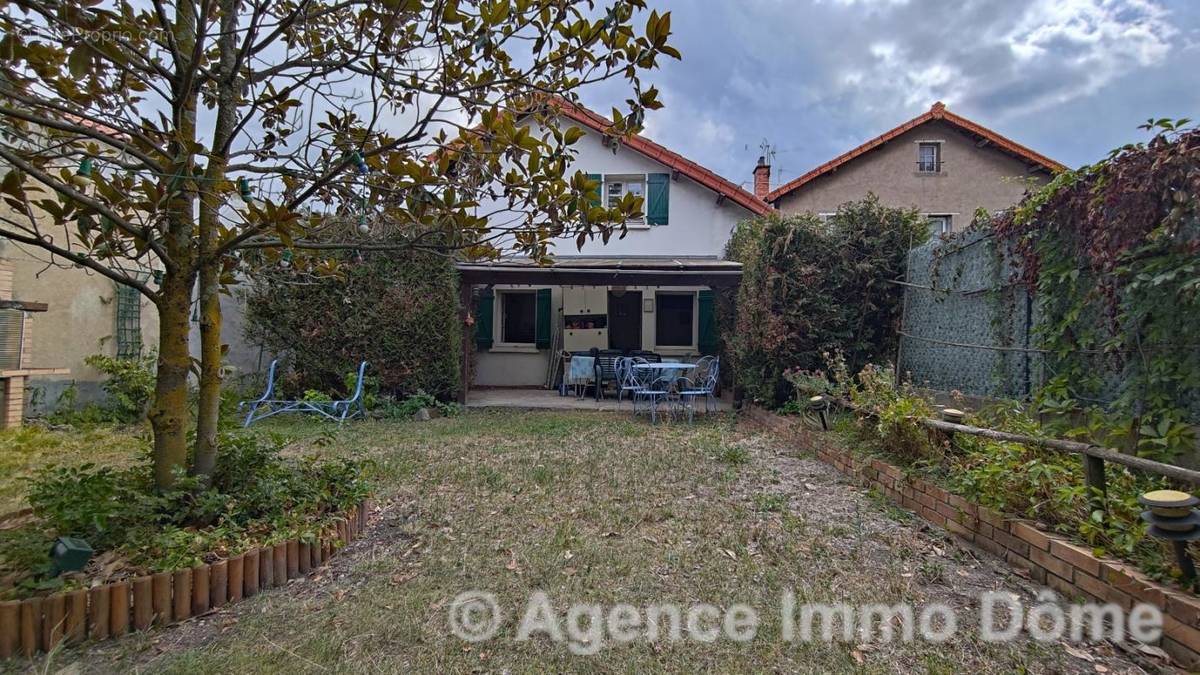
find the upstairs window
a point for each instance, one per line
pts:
(654, 189)
(929, 157)
(616, 187)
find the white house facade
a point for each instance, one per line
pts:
(651, 290)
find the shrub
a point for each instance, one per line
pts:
(398, 311)
(811, 286)
(130, 383)
(256, 496)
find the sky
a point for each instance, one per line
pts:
(1071, 79)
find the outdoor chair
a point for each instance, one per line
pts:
(654, 393)
(705, 384)
(650, 357)
(606, 370)
(339, 410)
(627, 381)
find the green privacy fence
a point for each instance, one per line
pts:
(967, 323)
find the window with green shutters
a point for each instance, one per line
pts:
(658, 198)
(483, 318)
(656, 195)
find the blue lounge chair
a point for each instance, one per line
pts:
(339, 411)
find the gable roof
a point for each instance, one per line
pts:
(672, 160)
(937, 112)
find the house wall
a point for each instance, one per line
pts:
(971, 177)
(506, 366)
(81, 321)
(697, 225)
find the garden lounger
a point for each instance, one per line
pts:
(340, 411)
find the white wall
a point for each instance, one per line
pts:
(503, 366)
(697, 225)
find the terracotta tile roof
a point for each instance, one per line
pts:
(937, 112)
(658, 153)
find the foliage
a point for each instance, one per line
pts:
(1050, 487)
(1111, 251)
(1027, 481)
(409, 406)
(398, 312)
(287, 143)
(812, 286)
(130, 383)
(255, 496)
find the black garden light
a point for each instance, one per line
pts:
(1172, 516)
(69, 554)
(820, 405)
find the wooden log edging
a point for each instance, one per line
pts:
(40, 624)
(1049, 559)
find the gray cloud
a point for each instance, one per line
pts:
(1069, 78)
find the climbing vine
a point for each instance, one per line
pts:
(1112, 253)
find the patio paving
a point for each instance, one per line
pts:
(550, 400)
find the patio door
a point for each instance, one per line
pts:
(624, 320)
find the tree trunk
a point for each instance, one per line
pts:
(169, 413)
(208, 410)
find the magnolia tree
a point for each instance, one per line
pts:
(172, 145)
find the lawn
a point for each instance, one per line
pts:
(595, 508)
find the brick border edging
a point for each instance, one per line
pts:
(111, 610)
(1050, 559)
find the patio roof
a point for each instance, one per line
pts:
(589, 271)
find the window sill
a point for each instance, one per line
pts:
(928, 174)
(637, 225)
(514, 349)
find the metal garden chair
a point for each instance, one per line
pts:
(704, 385)
(339, 411)
(626, 377)
(654, 392)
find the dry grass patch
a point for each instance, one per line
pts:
(594, 508)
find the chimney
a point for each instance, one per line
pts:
(762, 178)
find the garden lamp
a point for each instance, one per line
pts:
(69, 554)
(1172, 516)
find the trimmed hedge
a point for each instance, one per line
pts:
(398, 311)
(811, 286)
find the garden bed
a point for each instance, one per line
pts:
(1047, 558)
(114, 609)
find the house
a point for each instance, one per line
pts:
(649, 290)
(941, 163)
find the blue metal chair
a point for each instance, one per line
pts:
(707, 375)
(339, 411)
(656, 391)
(626, 377)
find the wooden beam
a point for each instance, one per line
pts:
(599, 277)
(467, 332)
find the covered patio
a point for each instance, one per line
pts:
(640, 276)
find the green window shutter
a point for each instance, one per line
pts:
(707, 340)
(599, 178)
(541, 329)
(658, 193)
(483, 319)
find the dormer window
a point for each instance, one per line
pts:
(929, 157)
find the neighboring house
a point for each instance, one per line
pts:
(941, 163)
(650, 290)
(85, 314)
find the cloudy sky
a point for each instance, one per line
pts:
(1069, 78)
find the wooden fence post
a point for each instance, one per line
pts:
(1093, 469)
